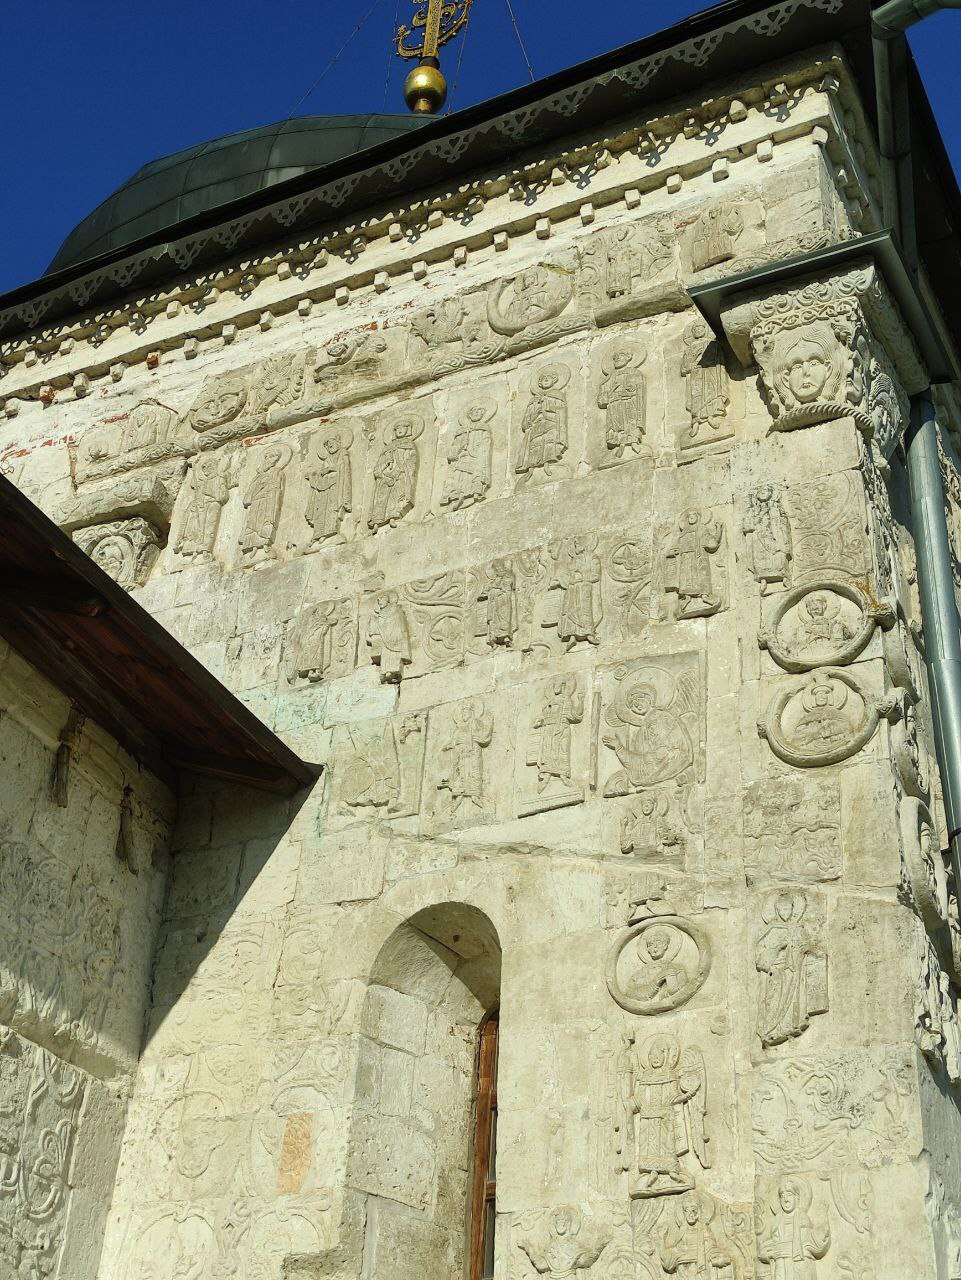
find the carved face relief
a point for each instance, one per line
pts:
(221, 399)
(823, 720)
(658, 964)
(653, 719)
(827, 622)
(809, 373)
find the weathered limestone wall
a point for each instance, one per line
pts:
(83, 861)
(609, 644)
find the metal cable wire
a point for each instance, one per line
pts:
(460, 59)
(530, 69)
(334, 59)
(390, 54)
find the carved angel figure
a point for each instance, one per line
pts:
(551, 745)
(771, 543)
(206, 496)
(792, 968)
(544, 425)
(395, 473)
(621, 395)
(664, 1094)
(696, 537)
(262, 502)
(651, 739)
(329, 483)
(462, 763)
(469, 458)
(577, 572)
(789, 1239)
(388, 637)
(566, 1246)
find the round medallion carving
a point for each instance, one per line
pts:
(658, 964)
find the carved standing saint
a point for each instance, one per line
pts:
(707, 387)
(565, 1247)
(793, 969)
(688, 574)
(462, 766)
(621, 395)
(206, 496)
(330, 495)
(316, 637)
(714, 235)
(550, 751)
(395, 473)
(771, 545)
(621, 262)
(501, 604)
(664, 1092)
(544, 425)
(388, 637)
(789, 1239)
(577, 572)
(148, 423)
(469, 458)
(692, 1249)
(262, 502)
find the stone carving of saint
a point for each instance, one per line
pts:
(621, 395)
(565, 1248)
(621, 263)
(206, 498)
(469, 458)
(262, 502)
(395, 473)
(532, 294)
(771, 546)
(544, 425)
(820, 623)
(148, 423)
(330, 495)
(577, 572)
(823, 724)
(650, 741)
(501, 604)
(688, 572)
(691, 1249)
(551, 753)
(790, 1242)
(662, 977)
(647, 831)
(792, 967)
(664, 1093)
(316, 639)
(388, 637)
(462, 757)
(115, 557)
(707, 387)
(714, 235)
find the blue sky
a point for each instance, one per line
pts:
(93, 90)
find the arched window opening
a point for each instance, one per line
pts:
(483, 1202)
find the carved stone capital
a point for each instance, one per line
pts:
(830, 347)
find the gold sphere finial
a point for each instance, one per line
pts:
(425, 89)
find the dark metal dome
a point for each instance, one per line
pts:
(203, 177)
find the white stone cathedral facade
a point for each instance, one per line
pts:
(605, 629)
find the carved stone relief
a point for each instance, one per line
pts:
(655, 828)
(700, 1236)
(829, 524)
(469, 455)
(623, 269)
(321, 642)
(561, 1242)
(395, 469)
(770, 539)
(620, 396)
(924, 866)
(662, 1137)
(553, 775)
(654, 715)
(124, 549)
(823, 719)
(377, 768)
(263, 500)
(575, 575)
(149, 423)
(658, 963)
(910, 752)
(462, 773)
(358, 357)
(792, 1234)
(707, 390)
(221, 399)
(793, 831)
(543, 425)
(387, 635)
(204, 496)
(328, 477)
(693, 570)
(533, 298)
(823, 622)
(713, 235)
(792, 966)
(937, 1028)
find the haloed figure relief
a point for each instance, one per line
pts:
(329, 487)
(207, 494)
(262, 504)
(469, 457)
(792, 968)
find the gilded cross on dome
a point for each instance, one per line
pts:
(433, 24)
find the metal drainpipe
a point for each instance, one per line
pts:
(939, 611)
